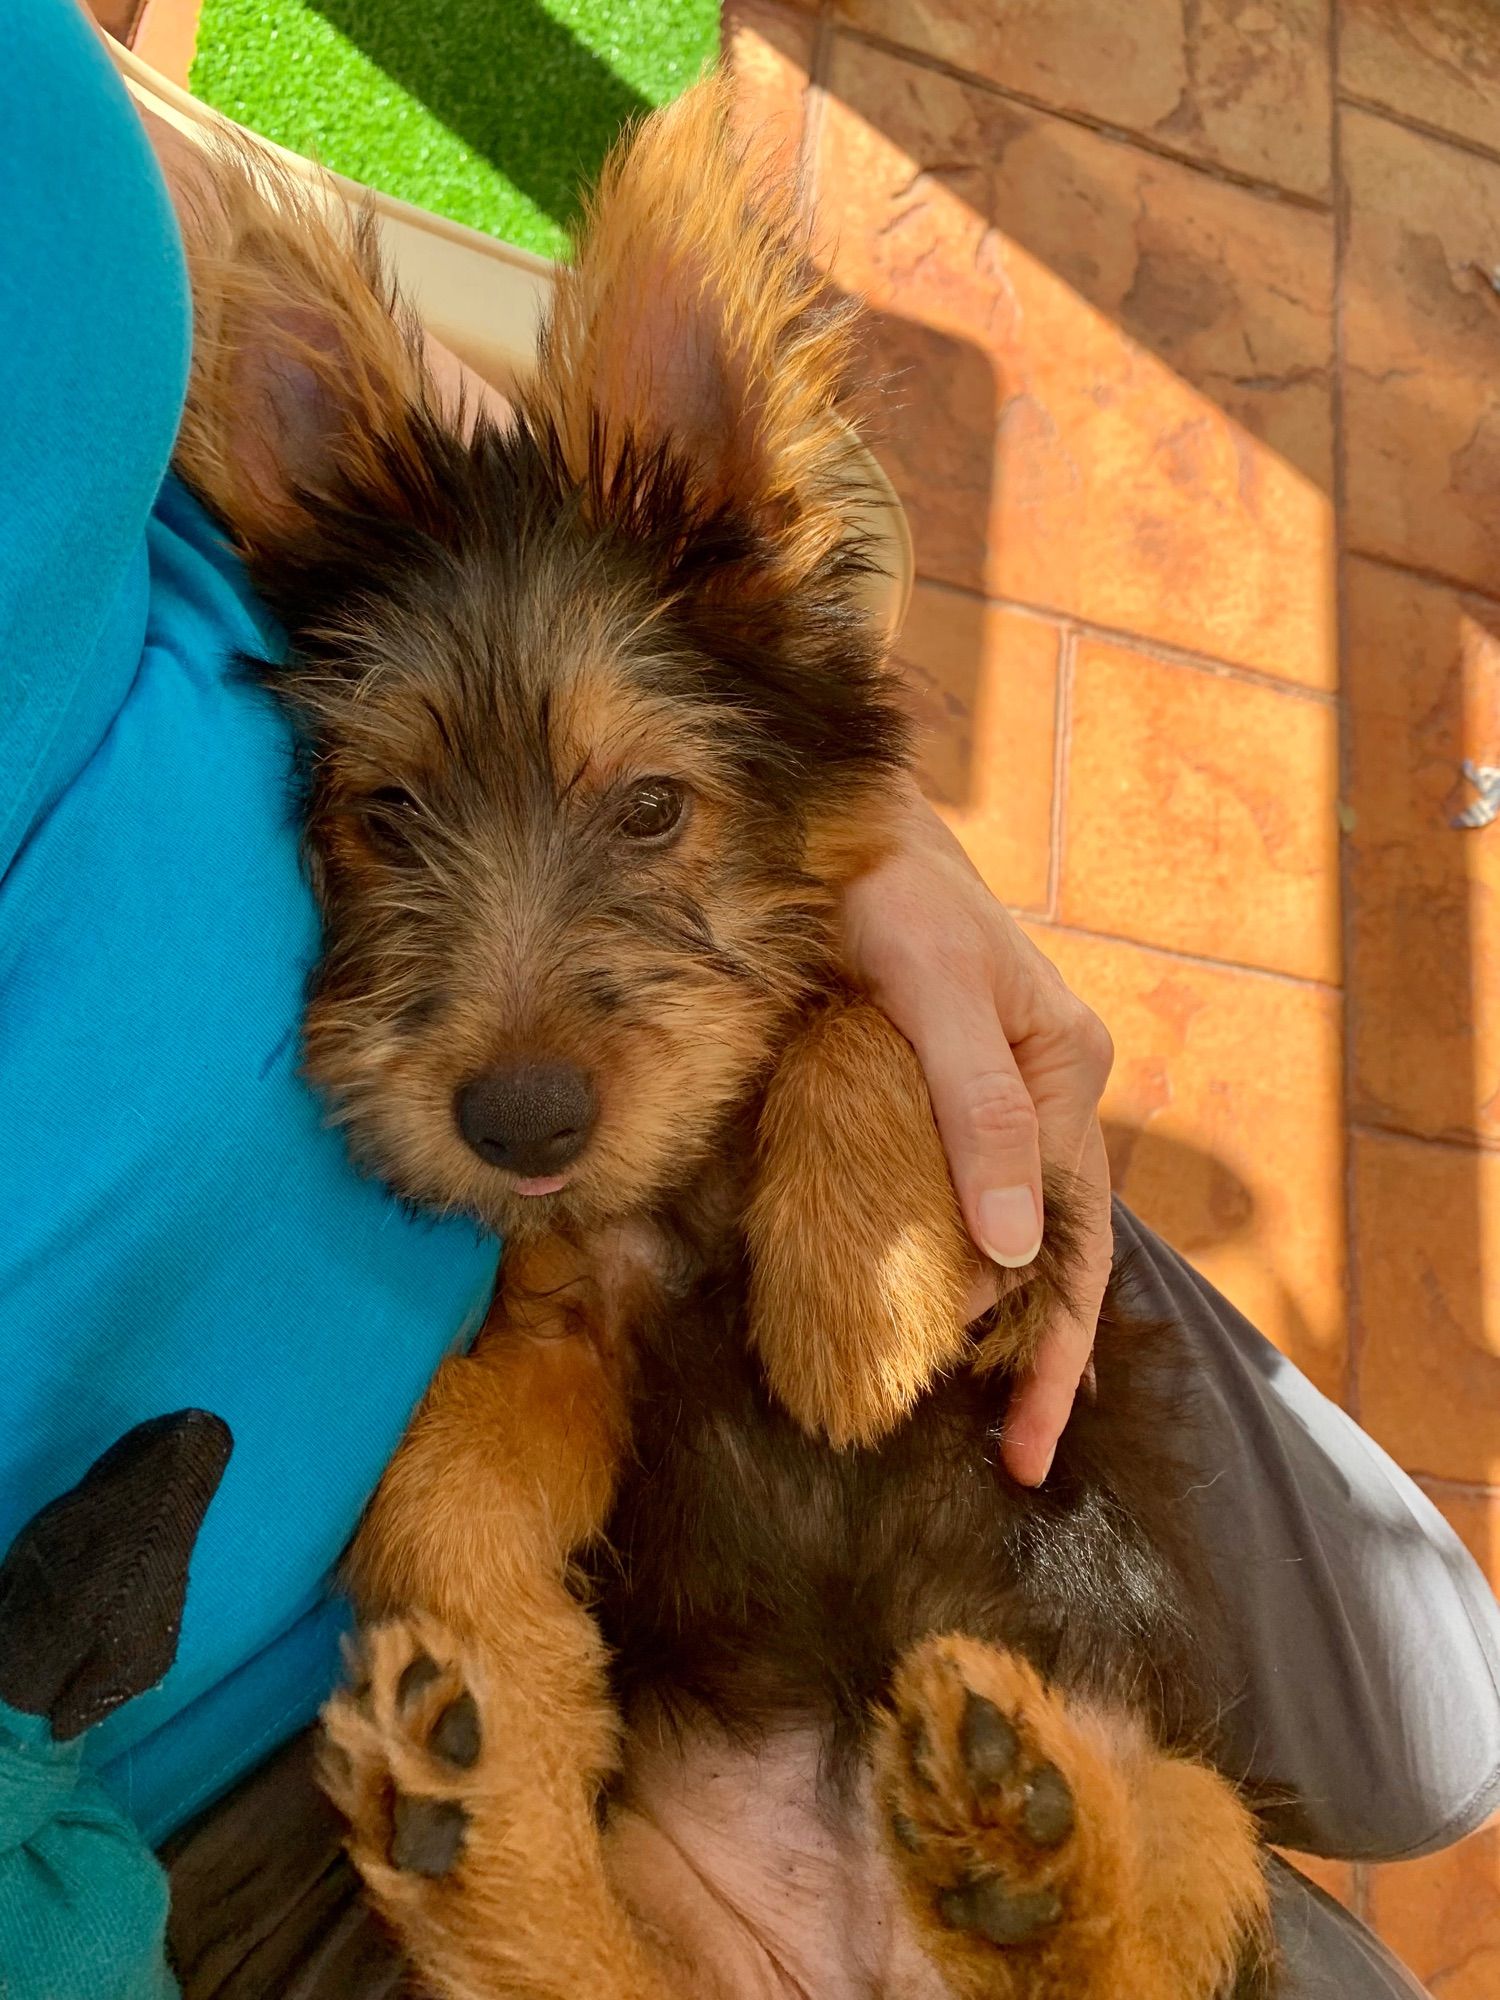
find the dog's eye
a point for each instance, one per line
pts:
(653, 810)
(387, 816)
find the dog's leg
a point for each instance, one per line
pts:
(859, 1260)
(471, 1750)
(508, 1466)
(471, 1779)
(1047, 1850)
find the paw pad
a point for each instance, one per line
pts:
(980, 1816)
(427, 1835)
(987, 1743)
(416, 1677)
(1004, 1916)
(1049, 1813)
(401, 1740)
(455, 1735)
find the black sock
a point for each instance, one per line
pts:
(92, 1589)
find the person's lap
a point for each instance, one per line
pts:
(1364, 1641)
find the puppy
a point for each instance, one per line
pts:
(708, 1648)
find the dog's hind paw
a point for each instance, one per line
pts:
(999, 1819)
(403, 1753)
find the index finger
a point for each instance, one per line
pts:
(1042, 1402)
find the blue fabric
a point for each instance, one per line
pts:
(179, 1226)
(93, 304)
(83, 1905)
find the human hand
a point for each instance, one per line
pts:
(1015, 1067)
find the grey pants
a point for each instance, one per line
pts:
(1364, 1646)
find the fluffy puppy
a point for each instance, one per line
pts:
(709, 1648)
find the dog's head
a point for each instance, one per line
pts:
(594, 723)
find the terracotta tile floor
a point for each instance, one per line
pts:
(1192, 319)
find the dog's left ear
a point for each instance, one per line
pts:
(693, 319)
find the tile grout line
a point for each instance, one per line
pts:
(1360, 1885)
(1354, 1353)
(1419, 128)
(1471, 1143)
(1062, 736)
(1161, 650)
(1439, 579)
(1174, 953)
(1468, 1489)
(1100, 127)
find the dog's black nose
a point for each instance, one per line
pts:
(532, 1118)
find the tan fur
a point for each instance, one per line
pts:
(1157, 1880)
(687, 226)
(858, 1279)
(287, 281)
(508, 1465)
(507, 1469)
(529, 1914)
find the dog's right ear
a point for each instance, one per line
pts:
(307, 375)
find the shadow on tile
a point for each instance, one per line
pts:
(1205, 1208)
(1115, 387)
(1153, 449)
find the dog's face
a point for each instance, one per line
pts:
(593, 723)
(574, 859)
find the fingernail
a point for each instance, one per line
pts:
(1010, 1230)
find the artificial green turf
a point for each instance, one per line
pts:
(493, 112)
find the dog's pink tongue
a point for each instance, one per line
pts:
(542, 1184)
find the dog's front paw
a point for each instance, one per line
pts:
(860, 1266)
